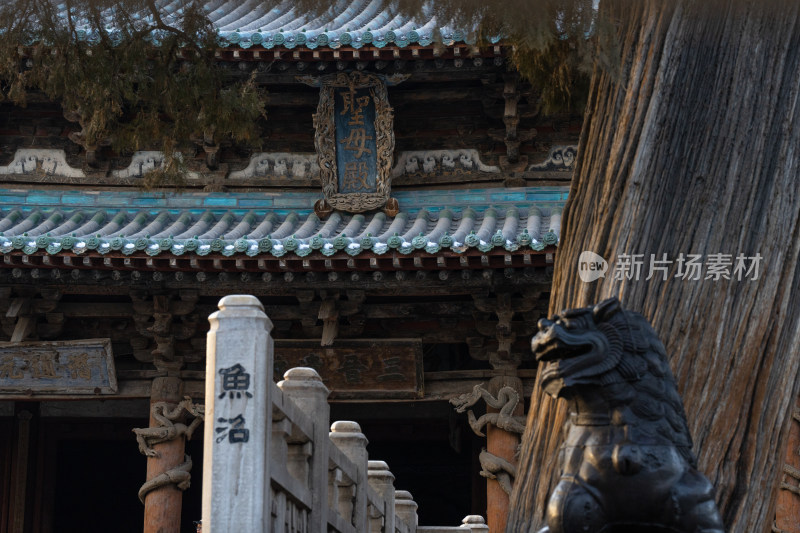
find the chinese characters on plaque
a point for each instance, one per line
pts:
(358, 368)
(59, 367)
(356, 157)
(236, 387)
(354, 141)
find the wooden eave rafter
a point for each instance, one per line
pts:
(315, 262)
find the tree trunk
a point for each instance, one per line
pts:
(693, 147)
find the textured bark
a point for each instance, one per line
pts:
(693, 148)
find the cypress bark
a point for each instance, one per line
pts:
(693, 147)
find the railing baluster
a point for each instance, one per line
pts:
(382, 480)
(305, 389)
(347, 436)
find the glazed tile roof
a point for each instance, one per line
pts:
(276, 224)
(352, 23)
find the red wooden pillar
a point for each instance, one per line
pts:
(787, 512)
(503, 444)
(162, 507)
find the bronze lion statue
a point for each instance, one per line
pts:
(627, 460)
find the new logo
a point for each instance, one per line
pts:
(591, 267)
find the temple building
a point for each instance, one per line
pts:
(398, 225)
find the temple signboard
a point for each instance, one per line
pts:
(358, 368)
(354, 141)
(83, 367)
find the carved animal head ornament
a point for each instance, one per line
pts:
(585, 347)
(609, 364)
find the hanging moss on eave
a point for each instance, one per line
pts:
(556, 43)
(137, 78)
(145, 84)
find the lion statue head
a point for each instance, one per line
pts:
(614, 356)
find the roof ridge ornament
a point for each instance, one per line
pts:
(44, 160)
(290, 165)
(440, 162)
(559, 158)
(145, 161)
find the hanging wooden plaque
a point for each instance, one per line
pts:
(60, 367)
(358, 368)
(354, 141)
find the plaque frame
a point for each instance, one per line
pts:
(326, 143)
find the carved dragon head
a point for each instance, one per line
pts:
(590, 346)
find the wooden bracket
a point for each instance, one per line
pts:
(164, 318)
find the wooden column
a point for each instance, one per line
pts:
(162, 507)
(787, 513)
(503, 444)
(19, 472)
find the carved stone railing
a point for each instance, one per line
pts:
(270, 463)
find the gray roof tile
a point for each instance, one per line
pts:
(530, 218)
(354, 23)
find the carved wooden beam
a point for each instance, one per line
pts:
(330, 321)
(504, 306)
(31, 313)
(164, 318)
(329, 306)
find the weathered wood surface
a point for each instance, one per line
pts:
(57, 367)
(436, 388)
(279, 312)
(358, 368)
(692, 148)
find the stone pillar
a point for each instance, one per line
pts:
(382, 481)
(162, 506)
(405, 508)
(239, 358)
(347, 436)
(503, 444)
(305, 389)
(475, 523)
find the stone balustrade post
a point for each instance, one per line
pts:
(304, 387)
(238, 415)
(405, 508)
(347, 436)
(382, 481)
(475, 523)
